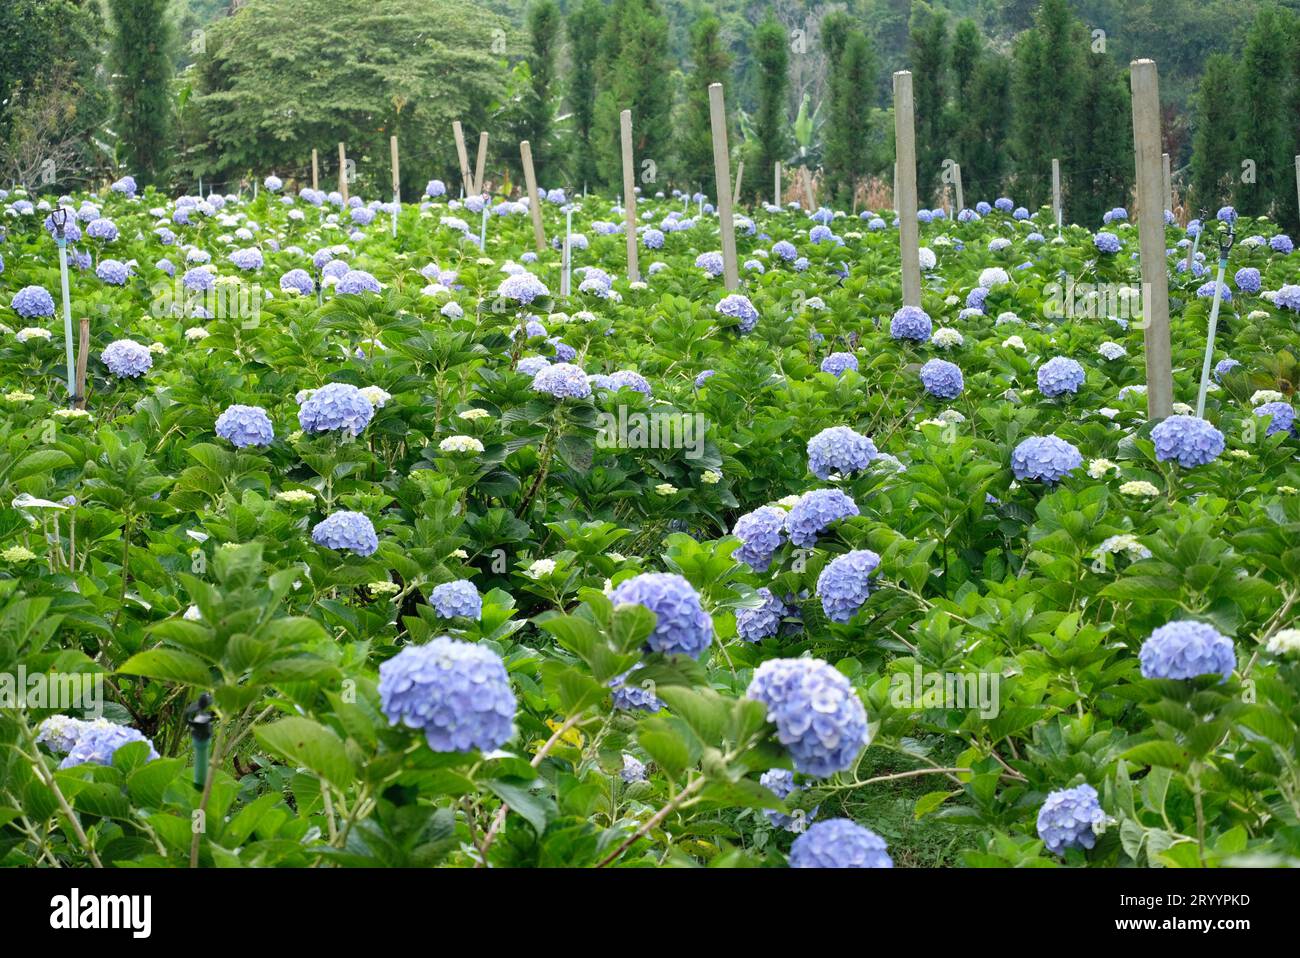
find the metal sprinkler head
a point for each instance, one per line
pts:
(59, 217)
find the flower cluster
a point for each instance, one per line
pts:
(349, 531)
(458, 598)
(815, 512)
(1187, 440)
(942, 379)
(681, 623)
(1186, 650)
(244, 426)
(1045, 458)
(336, 407)
(126, 359)
(844, 584)
(839, 449)
(839, 843)
(818, 716)
(1070, 818)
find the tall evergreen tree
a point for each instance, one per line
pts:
(141, 57)
(585, 26)
(980, 114)
(1215, 164)
(543, 48)
(634, 75)
(1102, 140)
(1261, 136)
(1047, 77)
(848, 134)
(928, 54)
(772, 123)
(966, 50)
(710, 63)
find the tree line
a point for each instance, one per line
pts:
(173, 99)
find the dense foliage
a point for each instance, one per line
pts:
(660, 574)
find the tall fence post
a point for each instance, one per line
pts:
(534, 203)
(343, 173)
(905, 201)
(722, 171)
(397, 182)
(463, 156)
(315, 172)
(961, 196)
(629, 194)
(1151, 236)
(776, 184)
(481, 161)
(735, 192)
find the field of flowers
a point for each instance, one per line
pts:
(387, 554)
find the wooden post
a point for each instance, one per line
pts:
(961, 197)
(1056, 192)
(566, 282)
(468, 183)
(1151, 235)
(808, 189)
(534, 204)
(776, 186)
(397, 181)
(722, 170)
(740, 173)
(629, 194)
(905, 150)
(83, 350)
(482, 160)
(1169, 183)
(315, 172)
(343, 173)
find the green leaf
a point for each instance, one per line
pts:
(171, 665)
(147, 784)
(309, 745)
(928, 802)
(534, 809)
(1165, 754)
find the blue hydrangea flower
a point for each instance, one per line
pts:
(682, 625)
(818, 716)
(244, 426)
(780, 782)
(336, 406)
(844, 584)
(562, 381)
(355, 282)
(458, 598)
(1107, 242)
(755, 625)
(839, 449)
(113, 272)
(101, 229)
(198, 279)
(839, 843)
(1281, 244)
(942, 379)
(1206, 291)
(457, 693)
(1186, 650)
(126, 359)
(739, 307)
(1187, 440)
(1223, 367)
(126, 185)
(1247, 280)
(911, 322)
(32, 302)
(1046, 458)
(1283, 417)
(1288, 297)
(435, 188)
(815, 512)
(531, 365)
(704, 377)
(784, 249)
(976, 297)
(346, 530)
(1003, 203)
(1226, 214)
(1058, 376)
(761, 533)
(653, 239)
(836, 363)
(298, 280)
(630, 697)
(247, 259)
(98, 742)
(1069, 819)
(628, 379)
(710, 262)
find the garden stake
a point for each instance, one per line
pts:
(1224, 246)
(567, 281)
(199, 719)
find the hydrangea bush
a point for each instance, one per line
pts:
(658, 574)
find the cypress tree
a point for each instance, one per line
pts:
(1102, 140)
(1046, 81)
(1261, 136)
(848, 135)
(710, 63)
(634, 75)
(1214, 151)
(928, 55)
(585, 25)
(543, 34)
(141, 57)
(771, 124)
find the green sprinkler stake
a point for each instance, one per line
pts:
(200, 721)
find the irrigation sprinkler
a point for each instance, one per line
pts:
(199, 718)
(482, 229)
(60, 219)
(1224, 246)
